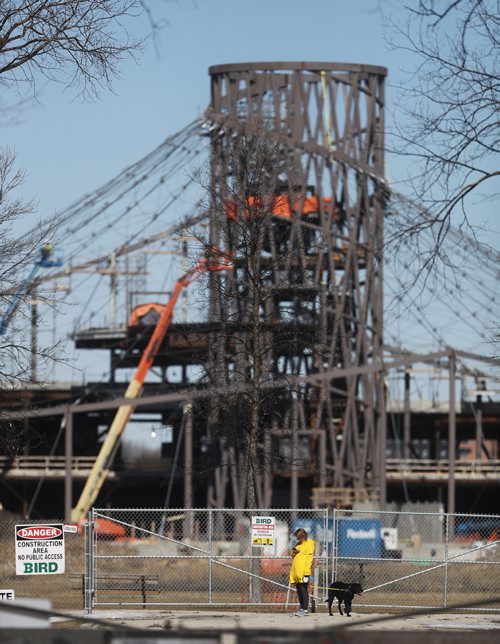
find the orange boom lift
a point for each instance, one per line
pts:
(107, 453)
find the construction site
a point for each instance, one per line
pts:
(234, 294)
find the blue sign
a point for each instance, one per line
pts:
(359, 538)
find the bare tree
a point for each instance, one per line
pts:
(265, 320)
(17, 354)
(448, 114)
(79, 43)
(19, 256)
(235, 417)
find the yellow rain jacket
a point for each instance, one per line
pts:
(302, 561)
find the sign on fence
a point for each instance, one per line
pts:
(40, 549)
(263, 531)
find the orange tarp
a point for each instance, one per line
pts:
(280, 206)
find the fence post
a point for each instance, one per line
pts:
(334, 545)
(68, 461)
(89, 573)
(446, 556)
(325, 580)
(326, 563)
(210, 540)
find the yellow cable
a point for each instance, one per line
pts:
(327, 112)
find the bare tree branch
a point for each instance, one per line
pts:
(448, 122)
(79, 43)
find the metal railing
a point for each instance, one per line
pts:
(48, 466)
(441, 467)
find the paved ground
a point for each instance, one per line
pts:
(173, 620)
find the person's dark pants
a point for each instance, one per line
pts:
(303, 595)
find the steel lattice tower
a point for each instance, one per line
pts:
(305, 233)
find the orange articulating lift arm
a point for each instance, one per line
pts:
(108, 450)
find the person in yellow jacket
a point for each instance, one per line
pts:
(300, 572)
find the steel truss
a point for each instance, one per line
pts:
(297, 202)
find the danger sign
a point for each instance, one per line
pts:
(40, 549)
(262, 531)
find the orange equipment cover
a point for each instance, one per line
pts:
(280, 206)
(143, 309)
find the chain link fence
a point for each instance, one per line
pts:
(148, 558)
(200, 557)
(418, 560)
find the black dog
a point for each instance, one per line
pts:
(344, 593)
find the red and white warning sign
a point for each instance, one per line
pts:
(262, 531)
(40, 549)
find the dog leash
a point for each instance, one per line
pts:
(330, 588)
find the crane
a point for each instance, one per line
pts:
(104, 460)
(46, 259)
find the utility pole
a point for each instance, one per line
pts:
(112, 299)
(34, 337)
(479, 419)
(451, 441)
(407, 416)
(188, 471)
